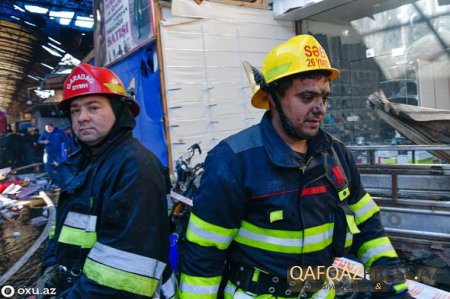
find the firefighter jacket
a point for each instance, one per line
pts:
(259, 207)
(112, 229)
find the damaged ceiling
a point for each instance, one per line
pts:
(35, 38)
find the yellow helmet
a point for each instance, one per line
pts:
(299, 54)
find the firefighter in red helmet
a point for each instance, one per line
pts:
(111, 237)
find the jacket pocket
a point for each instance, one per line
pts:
(344, 229)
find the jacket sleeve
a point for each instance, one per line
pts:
(372, 246)
(130, 258)
(42, 138)
(214, 221)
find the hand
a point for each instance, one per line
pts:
(45, 142)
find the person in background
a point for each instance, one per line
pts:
(53, 139)
(111, 237)
(283, 195)
(71, 145)
(3, 152)
(38, 148)
(14, 148)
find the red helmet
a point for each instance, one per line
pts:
(86, 79)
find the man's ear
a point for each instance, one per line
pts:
(272, 105)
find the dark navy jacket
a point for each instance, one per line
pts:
(261, 207)
(112, 224)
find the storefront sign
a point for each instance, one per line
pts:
(121, 26)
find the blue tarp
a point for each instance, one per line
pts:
(142, 65)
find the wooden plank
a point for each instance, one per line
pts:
(163, 84)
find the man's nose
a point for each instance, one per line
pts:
(83, 115)
(319, 107)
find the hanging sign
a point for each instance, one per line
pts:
(121, 26)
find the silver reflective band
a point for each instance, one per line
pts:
(216, 238)
(318, 238)
(81, 221)
(348, 237)
(229, 289)
(268, 239)
(369, 206)
(325, 291)
(169, 287)
(376, 250)
(127, 261)
(188, 288)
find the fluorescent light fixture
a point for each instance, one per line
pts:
(36, 9)
(84, 22)
(31, 24)
(68, 71)
(33, 77)
(64, 21)
(54, 53)
(14, 17)
(62, 14)
(48, 66)
(44, 93)
(65, 17)
(54, 40)
(69, 60)
(19, 8)
(56, 48)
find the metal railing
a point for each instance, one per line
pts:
(371, 149)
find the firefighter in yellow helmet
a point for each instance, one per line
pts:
(283, 196)
(111, 236)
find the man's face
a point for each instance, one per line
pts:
(304, 104)
(92, 118)
(49, 128)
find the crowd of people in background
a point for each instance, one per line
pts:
(27, 146)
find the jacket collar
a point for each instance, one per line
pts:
(280, 153)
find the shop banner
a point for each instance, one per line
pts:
(121, 26)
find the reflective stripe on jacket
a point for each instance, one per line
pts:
(259, 206)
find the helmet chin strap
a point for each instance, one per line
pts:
(270, 88)
(287, 126)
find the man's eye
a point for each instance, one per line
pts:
(73, 111)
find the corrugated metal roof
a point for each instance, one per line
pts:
(32, 46)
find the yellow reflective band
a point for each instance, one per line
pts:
(318, 237)
(400, 287)
(199, 287)
(364, 208)
(51, 233)
(229, 291)
(375, 249)
(207, 234)
(120, 280)
(352, 225)
(311, 239)
(276, 71)
(276, 215)
(348, 239)
(255, 276)
(115, 87)
(343, 194)
(78, 237)
(328, 291)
